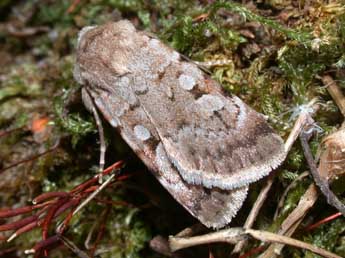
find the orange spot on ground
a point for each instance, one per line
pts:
(39, 125)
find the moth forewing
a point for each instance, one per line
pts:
(204, 146)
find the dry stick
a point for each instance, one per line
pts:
(71, 246)
(91, 196)
(233, 235)
(192, 230)
(31, 158)
(303, 119)
(8, 131)
(290, 224)
(287, 190)
(335, 92)
(321, 182)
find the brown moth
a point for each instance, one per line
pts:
(203, 146)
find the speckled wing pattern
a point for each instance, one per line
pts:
(203, 146)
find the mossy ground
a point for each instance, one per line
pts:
(276, 52)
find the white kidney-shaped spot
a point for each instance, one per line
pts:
(141, 133)
(210, 103)
(186, 82)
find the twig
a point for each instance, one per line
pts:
(70, 245)
(101, 230)
(287, 190)
(31, 158)
(192, 230)
(335, 92)
(91, 196)
(271, 237)
(321, 182)
(72, 7)
(303, 119)
(8, 131)
(233, 235)
(25, 32)
(160, 245)
(290, 224)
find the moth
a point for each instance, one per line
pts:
(204, 146)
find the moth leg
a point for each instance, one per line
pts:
(90, 106)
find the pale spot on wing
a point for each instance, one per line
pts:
(242, 115)
(121, 86)
(142, 133)
(175, 56)
(210, 103)
(114, 122)
(186, 82)
(155, 44)
(140, 86)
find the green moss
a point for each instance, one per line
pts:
(76, 125)
(329, 237)
(300, 36)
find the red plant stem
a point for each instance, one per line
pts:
(8, 131)
(6, 213)
(116, 203)
(18, 224)
(49, 195)
(66, 206)
(84, 185)
(252, 252)
(31, 158)
(100, 231)
(91, 189)
(116, 165)
(66, 222)
(46, 243)
(49, 217)
(323, 221)
(5, 252)
(123, 177)
(27, 227)
(94, 180)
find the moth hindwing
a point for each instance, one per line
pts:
(204, 146)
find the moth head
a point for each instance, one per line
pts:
(104, 50)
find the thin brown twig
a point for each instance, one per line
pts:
(335, 92)
(8, 131)
(293, 220)
(233, 235)
(55, 146)
(72, 7)
(101, 230)
(321, 182)
(287, 190)
(73, 247)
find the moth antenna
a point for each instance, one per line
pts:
(91, 107)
